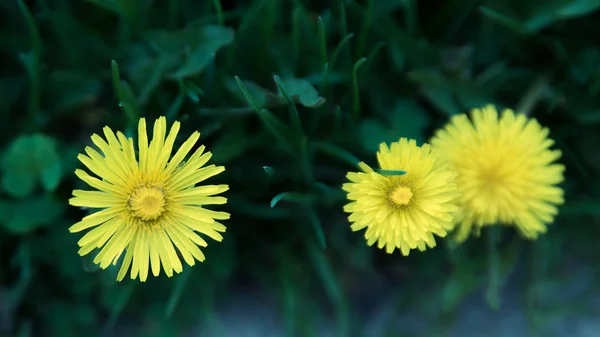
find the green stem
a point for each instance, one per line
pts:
(219, 10)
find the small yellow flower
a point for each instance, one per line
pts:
(505, 171)
(403, 211)
(148, 204)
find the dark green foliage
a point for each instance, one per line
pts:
(289, 95)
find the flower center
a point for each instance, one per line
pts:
(147, 202)
(401, 195)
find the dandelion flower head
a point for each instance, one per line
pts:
(402, 211)
(148, 203)
(506, 171)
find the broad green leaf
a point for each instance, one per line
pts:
(407, 119)
(18, 183)
(196, 47)
(299, 90)
(29, 159)
(177, 55)
(302, 92)
(48, 161)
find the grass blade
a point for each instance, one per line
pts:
(337, 152)
(177, 291)
(295, 116)
(317, 227)
(322, 41)
(355, 90)
(277, 128)
(366, 27)
(338, 49)
(32, 64)
(119, 305)
(298, 198)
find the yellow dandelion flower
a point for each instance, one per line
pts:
(505, 171)
(149, 205)
(402, 211)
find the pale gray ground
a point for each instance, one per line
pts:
(253, 315)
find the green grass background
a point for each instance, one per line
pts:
(325, 82)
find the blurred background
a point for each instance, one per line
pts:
(357, 73)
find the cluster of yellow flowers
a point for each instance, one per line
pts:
(476, 172)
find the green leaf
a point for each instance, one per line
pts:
(18, 183)
(407, 119)
(48, 162)
(302, 92)
(23, 216)
(177, 55)
(29, 159)
(195, 47)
